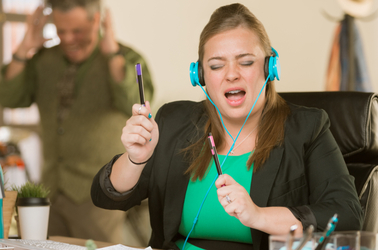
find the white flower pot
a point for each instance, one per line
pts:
(33, 215)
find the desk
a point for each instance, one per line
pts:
(81, 242)
(56, 243)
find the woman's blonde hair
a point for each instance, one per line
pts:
(271, 126)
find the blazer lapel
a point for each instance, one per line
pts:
(262, 183)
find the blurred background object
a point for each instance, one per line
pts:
(20, 153)
(20, 156)
(347, 67)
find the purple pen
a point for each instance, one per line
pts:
(140, 82)
(214, 153)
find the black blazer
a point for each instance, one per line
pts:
(307, 174)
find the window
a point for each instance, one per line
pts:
(20, 124)
(13, 14)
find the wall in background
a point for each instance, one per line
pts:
(167, 32)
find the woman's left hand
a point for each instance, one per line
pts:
(238, 204)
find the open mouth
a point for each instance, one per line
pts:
(235, 95)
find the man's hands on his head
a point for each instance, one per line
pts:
(108, 44)
(32, 41)
(33, 38)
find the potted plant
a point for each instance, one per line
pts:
(33, 208)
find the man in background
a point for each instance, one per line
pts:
(84, 89)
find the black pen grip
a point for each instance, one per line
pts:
(141, 89)
(138, 69)
(217, 164)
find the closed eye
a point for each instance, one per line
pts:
(215, 67)
(247, 63)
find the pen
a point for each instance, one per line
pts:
(327, 232)
(138, 69)
(291, 237)
(306, 237)
(214, 153)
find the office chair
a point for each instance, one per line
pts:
(354, 124)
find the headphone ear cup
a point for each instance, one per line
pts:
(266, 66)
(200, 74)
(277, 68)
(193, 73)
(272, 66)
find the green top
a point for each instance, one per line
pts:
(74, 150)
(213, 222)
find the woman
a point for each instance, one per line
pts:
(285, 169)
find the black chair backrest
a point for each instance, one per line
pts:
(354, 124)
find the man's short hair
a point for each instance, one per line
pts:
(91, 6)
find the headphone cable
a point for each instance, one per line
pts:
(232, 146)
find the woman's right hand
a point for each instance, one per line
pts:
(141, 134)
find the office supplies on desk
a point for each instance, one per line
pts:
(348, 240)
(138, 69)
(306, 237)
(281, 242)
(331, 225)
(291, 236)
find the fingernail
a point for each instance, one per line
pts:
(149, 115)
(150, 139)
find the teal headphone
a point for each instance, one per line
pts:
(272, 69)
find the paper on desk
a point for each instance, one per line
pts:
(122, 247)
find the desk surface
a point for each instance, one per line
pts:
(81, 242)
(77, 241)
